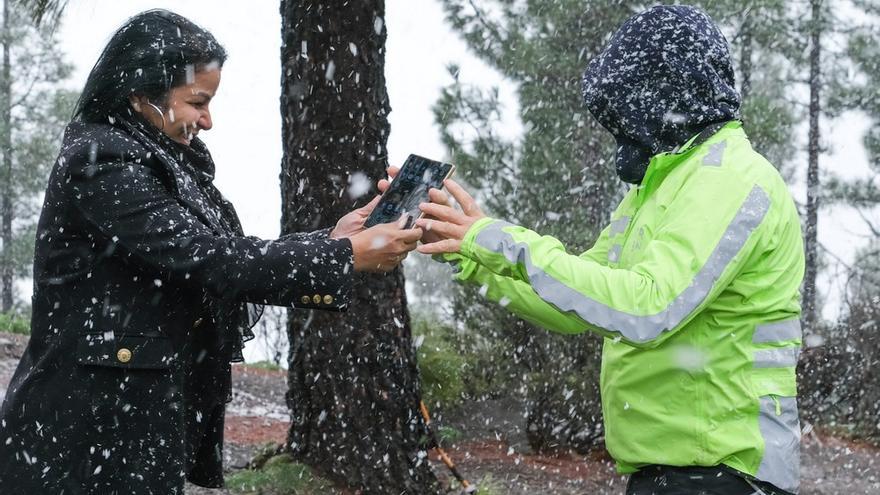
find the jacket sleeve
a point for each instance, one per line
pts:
(694, 253)
(604, 250)
(599, 251)
(129, 205)
(520, 298)
(516, 296)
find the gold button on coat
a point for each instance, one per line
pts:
(316, 299)
(305, 299)
(123, 355)
(328, 299)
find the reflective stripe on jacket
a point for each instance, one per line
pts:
(695, 286)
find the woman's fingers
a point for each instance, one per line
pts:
(369, 207)
(439, 247)
(383, 184)
(465, 200)
(411, 236)
(402, 220)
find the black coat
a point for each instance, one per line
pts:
(123, 385)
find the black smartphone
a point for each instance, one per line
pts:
(409, 189)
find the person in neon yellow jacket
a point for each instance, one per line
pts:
(694, 284)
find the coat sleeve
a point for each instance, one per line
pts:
(695, 252)
(308, 236)
(129, 205)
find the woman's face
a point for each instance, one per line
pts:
(186, 109)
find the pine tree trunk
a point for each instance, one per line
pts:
(353, 381)
(6, 211)
(810, 241)
(745, 63)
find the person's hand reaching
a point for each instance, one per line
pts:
(435, 195)
(382, 247)
(353, 222)
(446, 225)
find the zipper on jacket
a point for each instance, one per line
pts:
(679, 154)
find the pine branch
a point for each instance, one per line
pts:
(836, 257)
(868, 222)
(44, 10)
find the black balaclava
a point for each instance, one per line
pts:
(665, 75)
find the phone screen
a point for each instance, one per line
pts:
(408, 189)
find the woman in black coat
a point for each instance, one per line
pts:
(143, 281)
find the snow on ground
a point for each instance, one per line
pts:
(493, 444)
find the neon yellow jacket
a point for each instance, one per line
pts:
(694, 285)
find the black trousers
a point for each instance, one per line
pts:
(669, 480)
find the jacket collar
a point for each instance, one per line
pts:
(663, 163)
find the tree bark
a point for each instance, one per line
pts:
(810, 241)
(6, 206)
(745, 62)
(353, 382)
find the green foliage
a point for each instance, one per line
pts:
(764, 44)
(847, 366)
(862, 323)
(14, 323)
(441, 371)
(858, 193)
(447, 365)
(278, 476)
(770, 119)
(558, 177)
(488, 485)
(448, 435)
(841, 372)
(266, 365)
(39, 108)
(43, 11)
(864, 51)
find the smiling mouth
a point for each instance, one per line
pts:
(189, 132)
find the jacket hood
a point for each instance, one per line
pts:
(665, 75)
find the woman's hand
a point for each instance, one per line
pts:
(353, 222)
(445, 225)
(384, 183)
(382, 247)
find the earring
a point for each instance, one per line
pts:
(161, 114)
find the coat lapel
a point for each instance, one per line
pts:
(191, 194)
